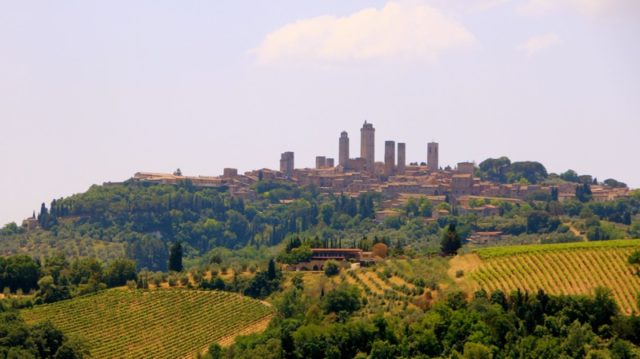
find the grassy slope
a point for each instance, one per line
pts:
(387, 295)
(571, 268)
(122, 323)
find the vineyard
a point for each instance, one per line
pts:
(154, 324)
(572, 268)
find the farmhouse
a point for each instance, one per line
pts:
(321, 255)
(484, 237)
(339, 254)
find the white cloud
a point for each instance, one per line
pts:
(397, 31)
(586, 7)
(540, 42)
(467, 6)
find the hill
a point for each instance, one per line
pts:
(159, 323)
(570, 268)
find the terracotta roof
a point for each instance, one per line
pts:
(491, 234)
(340, 250)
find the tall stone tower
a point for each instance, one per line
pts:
(432, 156)
(286, 164)
(367, 146)
(389, 157)
(402, 159)
(343, 156)
(321, 162)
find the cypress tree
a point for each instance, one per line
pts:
(43, 217)
(450, 240)
(271, 270)
(175, 257)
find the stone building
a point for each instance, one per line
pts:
(461, 185)
(402, 159)
(330, 163)
(356, 164)
(367, 146)
(31, 223)
(230, 172)
(287, 164)
(432, 156)
(389, 157)
(343, 155)
(466, 167)
(321, 162)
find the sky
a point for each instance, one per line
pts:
(94, 91)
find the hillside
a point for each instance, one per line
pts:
(571, 268)
(392, 287)
(159, 323)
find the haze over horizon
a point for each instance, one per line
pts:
(92, 92)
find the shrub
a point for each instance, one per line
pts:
(331, 268)
(131, 284)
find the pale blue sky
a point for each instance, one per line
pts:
(93, 91)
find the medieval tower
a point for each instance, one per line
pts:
(389, 157)
(343, 155)
(367, 146)
(286, 164)
(432, 156)
(402, 158)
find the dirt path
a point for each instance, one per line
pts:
(576, 232)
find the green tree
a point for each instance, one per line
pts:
(541, 222)
(476, 351)
(49, 292)
(532, 172)
(175, 257)
(583, 192)
(614, 183)
(570, 176)
(450, 242)
(47, 339)
(271, 270)
(382, 349)
(83, 270)
(326, 213)
(345, 298)
(331, 268)
(494, 169)
(215, 351)
(119, 271)
(19, 272)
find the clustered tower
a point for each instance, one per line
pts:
(402, 158)
(343, 156)
(286, 164)
(389, 157)
(367, 146)
(432, 156)
(395, 158)
(324, 162)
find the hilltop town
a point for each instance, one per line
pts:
(395, 179)
(379, 238)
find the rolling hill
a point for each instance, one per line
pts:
(168, 323)
(571, 268)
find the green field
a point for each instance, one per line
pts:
(492, 252)
(570, 268)
(169, 323)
